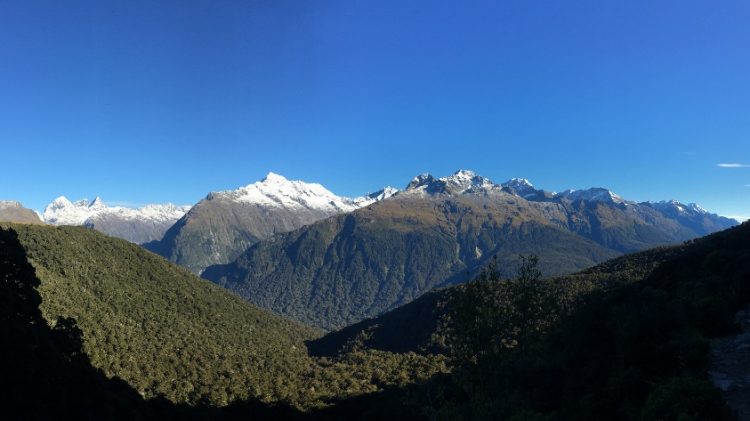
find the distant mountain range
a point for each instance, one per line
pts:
(327, 260)
(139, 225)
(438, 232)
(224, 224)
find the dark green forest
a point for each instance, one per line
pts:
(139, 337)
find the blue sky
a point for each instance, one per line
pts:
(142, 101)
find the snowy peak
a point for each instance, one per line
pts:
(522, 187)
(60, 203)
(677, 208)
(595, 194)
(277, 191)
(97, 203)
(422, 180)
(460, 182)
(697, 208)
(64, 212)
(463, 181)
(272, 177)
(377, 196)
(518, 184)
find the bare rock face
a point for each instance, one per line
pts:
(730, 366)
(12, 211)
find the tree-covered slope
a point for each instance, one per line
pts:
(424, 325)
(626, 340)
(346, 268)
(638, 351)
(169, 334)
(158, 326)
(45, 374)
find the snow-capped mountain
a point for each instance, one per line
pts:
(276, 191)
(673, 206)
(521, 186)
(691, 215)
(377, 196)
(443, 228)
(221, 226)
(138, 225)
(595, 194)
(460, 182)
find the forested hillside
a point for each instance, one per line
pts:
(346, 268)
(626, 340)
(170, 334)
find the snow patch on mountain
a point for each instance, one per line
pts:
(64, 212)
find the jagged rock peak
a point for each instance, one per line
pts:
(462, 181)
(423, 179)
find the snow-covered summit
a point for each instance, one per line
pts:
(677, 207)
(465, 180)
(460, 182)
(595, 194)
(521, 187)
(377, 196)
(518, 183)
(64, 212)
(277, 191)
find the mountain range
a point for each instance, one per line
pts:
(440, 232)
(137, 225)
(300, 250)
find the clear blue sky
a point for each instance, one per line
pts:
(145, 101)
